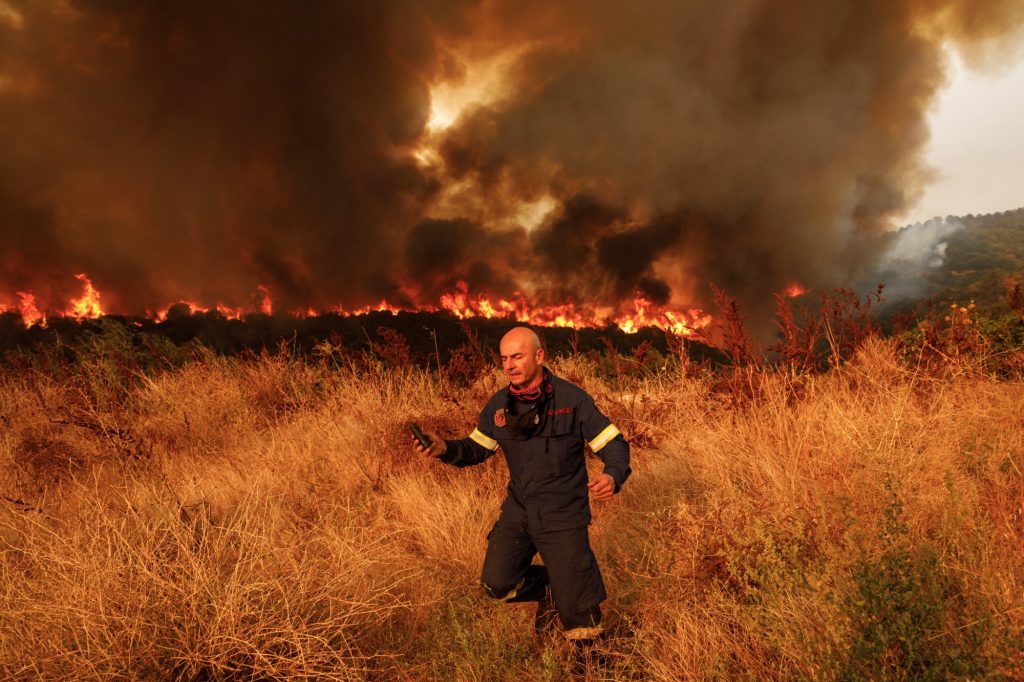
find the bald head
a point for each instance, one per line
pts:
(522, 357)
(521, 337)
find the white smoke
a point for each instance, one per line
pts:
(916, 251)
(922, 245)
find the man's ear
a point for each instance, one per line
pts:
(540, 356)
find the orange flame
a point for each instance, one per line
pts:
(196, 308)
(463, 305)
(382, 307)
(30, 312)
(459, 302)
(645, 313)
(88, 305)
(229, 312)
(27, 308)
(193, 308)
(266, 305)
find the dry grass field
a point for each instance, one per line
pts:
(264, 518)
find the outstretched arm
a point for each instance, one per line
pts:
(469, 451)
(474, 449)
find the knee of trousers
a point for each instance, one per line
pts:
(497, 591)
(495, 583)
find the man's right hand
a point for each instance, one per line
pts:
(437, 445)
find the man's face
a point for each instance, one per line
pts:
(520, 360)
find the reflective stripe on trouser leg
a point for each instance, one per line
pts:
(584, 633)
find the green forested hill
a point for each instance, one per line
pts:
(956, 258)
(982, 256)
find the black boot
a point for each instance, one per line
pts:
(546, 616)
(586, 656)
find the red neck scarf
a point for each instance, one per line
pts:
(532, 393)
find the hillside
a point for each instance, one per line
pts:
(956, 259)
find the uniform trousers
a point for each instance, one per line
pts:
(570, 569)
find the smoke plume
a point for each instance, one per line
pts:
(195, 150)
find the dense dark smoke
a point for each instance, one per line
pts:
(196, 149)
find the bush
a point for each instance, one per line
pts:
(910, 620)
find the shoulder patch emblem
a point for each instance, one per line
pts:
(499, 417)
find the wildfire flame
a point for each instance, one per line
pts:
(645, 313)
(87, 306)
(196, 308)
(460, 302)
(29, 310)
(266, 305)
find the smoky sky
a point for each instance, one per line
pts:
(194, 150)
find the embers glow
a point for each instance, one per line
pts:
(633, 316)
(794, 290)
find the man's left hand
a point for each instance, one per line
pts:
(602, 487)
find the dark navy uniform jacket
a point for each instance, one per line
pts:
(547, 488)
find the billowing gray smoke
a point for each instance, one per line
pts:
(196, 149)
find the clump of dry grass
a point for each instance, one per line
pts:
(130, 587)
(265, 518)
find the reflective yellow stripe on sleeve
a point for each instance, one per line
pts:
(483, 441)
(604, 437)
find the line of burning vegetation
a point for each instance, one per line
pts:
(401, 340)
(814, 332)
(636, 314)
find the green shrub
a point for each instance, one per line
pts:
(910, 620)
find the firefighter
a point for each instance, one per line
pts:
(541, 423)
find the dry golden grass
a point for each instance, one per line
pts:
(266, 519)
